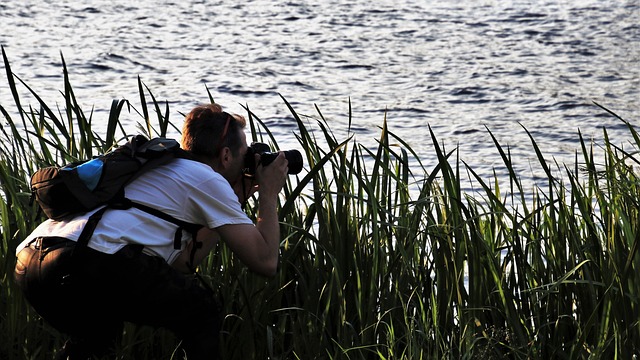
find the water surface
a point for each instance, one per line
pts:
(460, 67)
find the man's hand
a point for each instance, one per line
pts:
(271, 178)
(268, 180)
(258, 246)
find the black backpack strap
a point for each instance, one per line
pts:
(90, 227)
(87, 232)
(182, 226)
(164, 216)
(125, 203)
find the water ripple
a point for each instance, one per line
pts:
(456, 66)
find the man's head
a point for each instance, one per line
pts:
(217, 138)
(207, 130)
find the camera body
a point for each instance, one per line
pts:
(266, 157)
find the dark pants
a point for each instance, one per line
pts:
(89, 297)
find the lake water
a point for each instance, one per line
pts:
(458, 66)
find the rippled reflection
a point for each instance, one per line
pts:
(460, 67)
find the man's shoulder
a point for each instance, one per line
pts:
(188, 166)
(179, 170)
(192, 172)
(180, 161)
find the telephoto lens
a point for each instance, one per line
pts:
(294, 157)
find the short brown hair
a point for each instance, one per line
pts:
(203, 131)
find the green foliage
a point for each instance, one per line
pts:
(378, 260)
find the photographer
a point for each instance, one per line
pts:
(131, 271)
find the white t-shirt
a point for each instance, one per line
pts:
(187, 190)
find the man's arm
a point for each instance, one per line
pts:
(257, 251)
(258, 246)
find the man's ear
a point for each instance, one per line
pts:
(225, 157)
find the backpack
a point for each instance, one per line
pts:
(62, 192)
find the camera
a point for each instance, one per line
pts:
(266, 157)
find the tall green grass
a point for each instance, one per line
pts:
(378, 260)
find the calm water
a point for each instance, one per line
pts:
(457, 66)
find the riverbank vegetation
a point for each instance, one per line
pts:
(379, 260)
